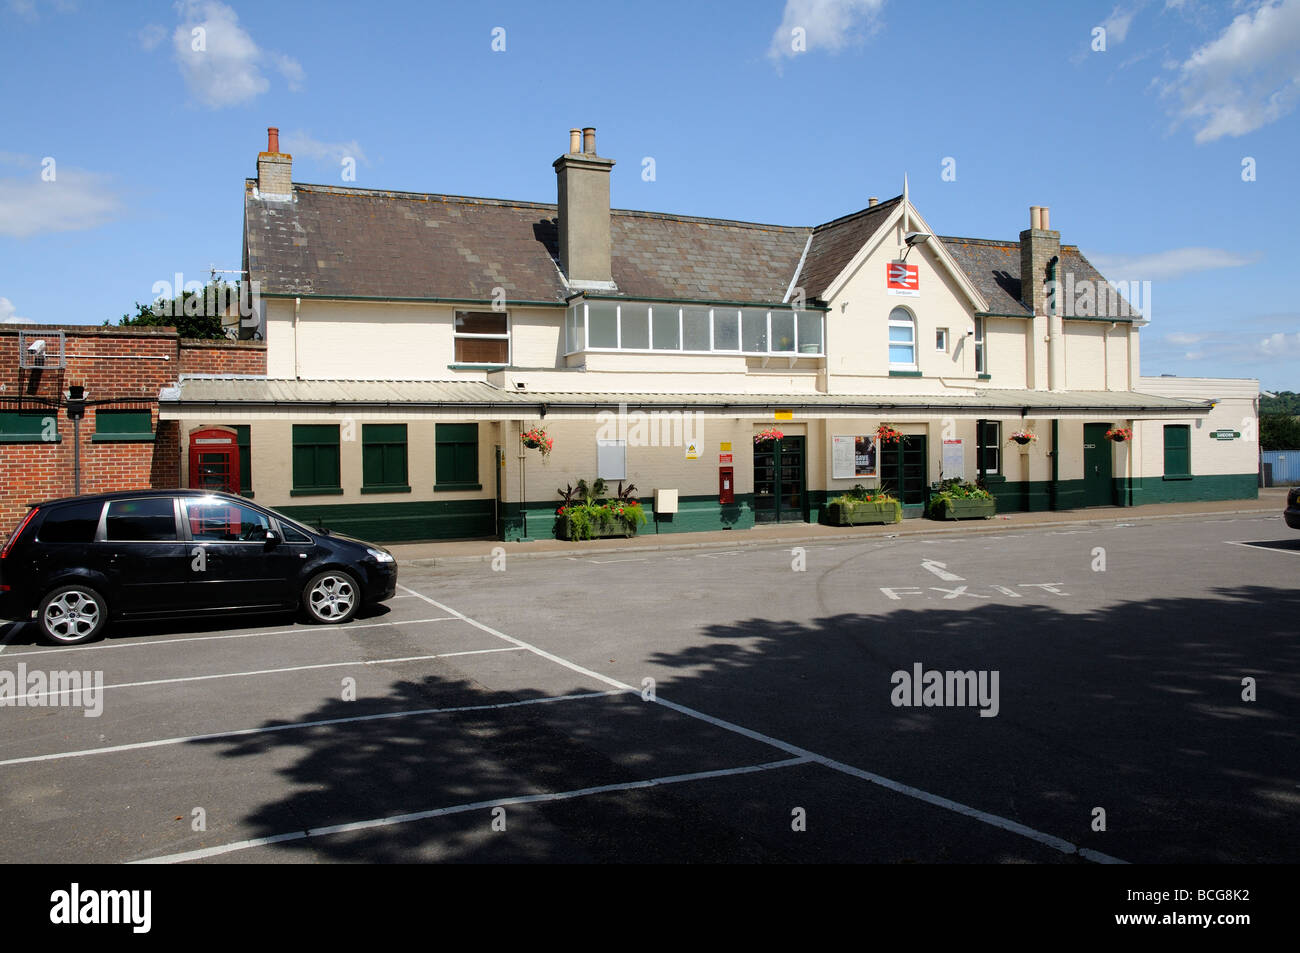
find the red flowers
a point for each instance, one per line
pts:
(887, 434)
(1119, 434)
(536, 439)
(772, 434)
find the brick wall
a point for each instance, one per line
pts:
(128, 364)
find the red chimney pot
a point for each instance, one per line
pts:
(272, 139)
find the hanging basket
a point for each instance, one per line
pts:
(887, 434)
(536, 439)
(1119, 434)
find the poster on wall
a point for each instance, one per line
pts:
(864, 456)
(954, 460)
(853, 457)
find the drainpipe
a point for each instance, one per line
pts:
(1056, 464)
(297, 307)
(1055, 338)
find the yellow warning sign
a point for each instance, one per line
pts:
(724, 446)
(692, 451)
(783, 415)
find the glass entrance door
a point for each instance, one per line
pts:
(779, 481)
(903, 467)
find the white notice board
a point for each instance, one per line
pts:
(954, 460)
(842, 458)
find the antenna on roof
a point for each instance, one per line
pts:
(906, 203)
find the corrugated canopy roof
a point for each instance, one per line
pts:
(207, 392)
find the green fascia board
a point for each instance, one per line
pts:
(122, 438)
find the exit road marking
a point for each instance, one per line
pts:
(940, 570)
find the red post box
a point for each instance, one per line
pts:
(726, 485)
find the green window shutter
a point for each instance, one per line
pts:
(383, 457)
(29, 427)
(122, 425)
(316, 457)
(456, 454)
(243, 440)
(1178, 450)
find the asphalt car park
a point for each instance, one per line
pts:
(728, 705)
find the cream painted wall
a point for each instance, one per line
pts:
(857, 326)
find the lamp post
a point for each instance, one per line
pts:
(76, 405)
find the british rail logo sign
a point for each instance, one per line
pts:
(902, 279)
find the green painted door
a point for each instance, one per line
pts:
(1097, 466)
(903, 469)
(779, 477)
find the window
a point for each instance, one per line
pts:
(216, 521)
(992, 449)
(456, 457)
(667, 328)
(150, 520)
(482, 337)
(981, 366)
(695, 329)
(634, 326)
(902, 340)
(602, 324)
(75, 523)
(383, 458)
(29, 426)
(753, 330)
(122, 426)
(242, 439)
(726, 329)
(1178, 450)
(315, 459)
(941, 340)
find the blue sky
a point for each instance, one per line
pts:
(1137, 148)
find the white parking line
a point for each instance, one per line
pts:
(266, 671)
(303, 629)
(994, 820)
(1258, 545)
(295, 725)
(206, 852)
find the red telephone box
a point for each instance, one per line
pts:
(726, 485)
(214, 460)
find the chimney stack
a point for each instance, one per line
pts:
(873, 202)
(274, 169)
(582, 187)
(1038, 246)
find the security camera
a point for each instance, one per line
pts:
(970, 332)
(36, 348)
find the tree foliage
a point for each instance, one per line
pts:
(194, 314)
(1285, 402)
(1279, 432)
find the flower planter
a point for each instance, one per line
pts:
(1023, 441)
(862, 514)
(1118, 439)
(963, 509)
(604, 530)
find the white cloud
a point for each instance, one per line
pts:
(1280, 345)
(1181, 339)
(151, 35)
(226, 67)
(1117, 24)
(1173, 263)
(75, 200)
(7, 315)
(829, 25)
(1246, 78)
(302, 146)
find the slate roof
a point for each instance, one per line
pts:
(835, 243)
(206, 392)
(332, 241)
(345, 242)
(994, 268)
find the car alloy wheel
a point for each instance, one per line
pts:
(332, 597)
(72, 614)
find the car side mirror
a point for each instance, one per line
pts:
(272, 538)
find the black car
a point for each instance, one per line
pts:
(1292, 512)
(76, 563)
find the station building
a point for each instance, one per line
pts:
(412, 338)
